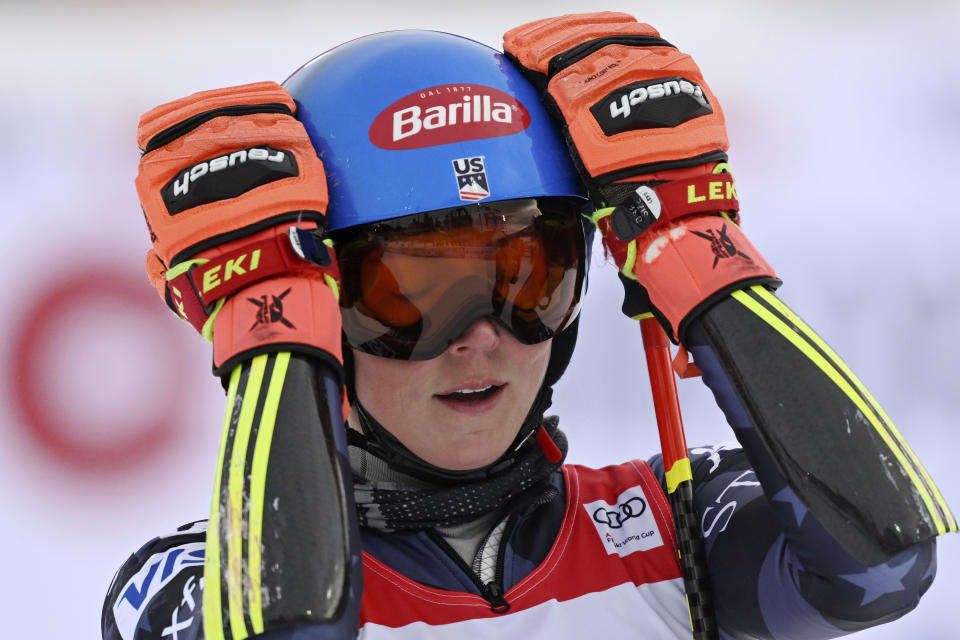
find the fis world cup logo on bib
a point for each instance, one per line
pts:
(471, 178)
(448, 113)
(626, 526)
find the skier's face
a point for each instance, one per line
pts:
(428, 404)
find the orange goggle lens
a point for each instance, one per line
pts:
(412, 285)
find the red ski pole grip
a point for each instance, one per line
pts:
(666, 403)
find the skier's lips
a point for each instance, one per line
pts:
(474, 397)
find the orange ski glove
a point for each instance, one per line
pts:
(649, 139)
(234, 196)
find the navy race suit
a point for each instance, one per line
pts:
(598, 559)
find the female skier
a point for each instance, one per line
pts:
(460, 189)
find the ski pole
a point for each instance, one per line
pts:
(676, 464)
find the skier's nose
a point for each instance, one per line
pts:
(482, 335)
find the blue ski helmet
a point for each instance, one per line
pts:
(413, 121)
(400, 118)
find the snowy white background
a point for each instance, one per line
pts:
(844, 124)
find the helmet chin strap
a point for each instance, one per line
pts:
(377, 440)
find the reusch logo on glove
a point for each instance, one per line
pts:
(227, 176)
(650, 104)
(448, 113)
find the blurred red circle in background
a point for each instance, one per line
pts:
(94, 371)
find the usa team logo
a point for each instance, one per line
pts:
(471, 178)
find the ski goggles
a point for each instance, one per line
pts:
(410, 286)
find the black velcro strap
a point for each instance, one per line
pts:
(563, 60)
(186, 126)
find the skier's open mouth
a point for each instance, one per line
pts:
(472, 395)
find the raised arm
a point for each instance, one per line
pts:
(776, 569)
(234, 196)
(649, 138)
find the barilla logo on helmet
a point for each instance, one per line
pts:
(448, 113)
